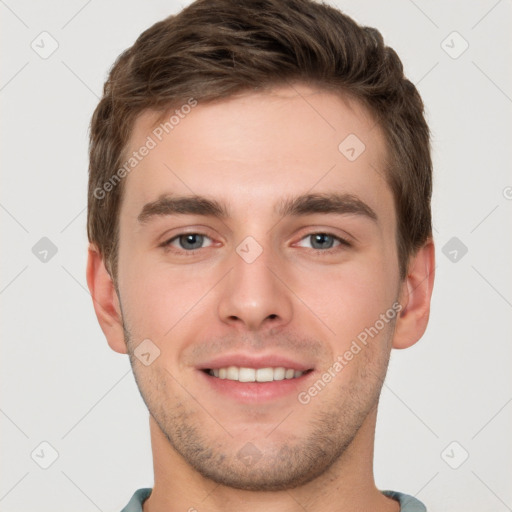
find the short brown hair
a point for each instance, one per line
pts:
(214, 49)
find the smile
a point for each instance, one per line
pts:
(244, 374)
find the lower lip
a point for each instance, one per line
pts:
(252, 392)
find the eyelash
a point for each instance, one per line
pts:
(342, 243)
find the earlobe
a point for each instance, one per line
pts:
(105, 300)
(416, 293)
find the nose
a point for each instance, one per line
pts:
(254, 295)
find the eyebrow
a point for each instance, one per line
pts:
(182, 205)
(306, 204)
(341, 204)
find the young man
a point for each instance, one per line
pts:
(260, 229)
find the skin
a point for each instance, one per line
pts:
(250, 151)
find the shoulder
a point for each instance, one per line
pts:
(138, 498)
(407, 503)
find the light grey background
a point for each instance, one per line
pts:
(60, 382)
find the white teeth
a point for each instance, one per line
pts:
(232, 373)
(247, 375)
(264, 375)
(243, 374)
(279, 373)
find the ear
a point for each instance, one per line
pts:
(105, 300)
(415, 294)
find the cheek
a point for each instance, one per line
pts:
(155, 298)
(351, 298)
(158, 390)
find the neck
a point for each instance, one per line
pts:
(348, 484)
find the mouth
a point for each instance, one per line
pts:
(249, 379)
(247, 374)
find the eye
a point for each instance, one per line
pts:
(325, 241)
(188, 241)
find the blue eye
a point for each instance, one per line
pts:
(323, 242)
(188, 241)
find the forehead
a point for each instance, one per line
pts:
(248, 150)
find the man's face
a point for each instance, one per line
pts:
(260, 287)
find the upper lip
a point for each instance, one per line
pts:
(253, 361)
